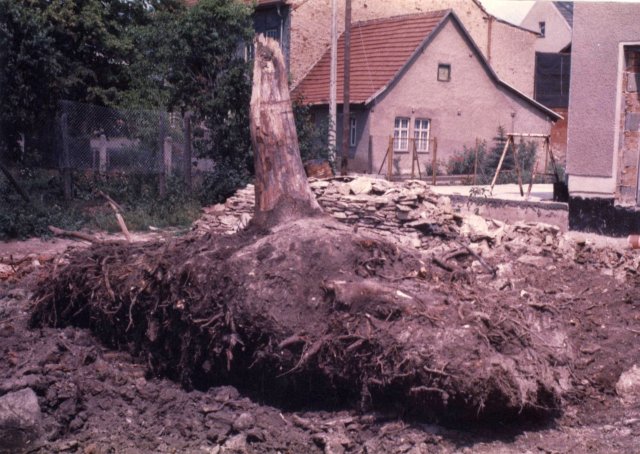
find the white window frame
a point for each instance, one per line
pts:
(401, 134)
(421, 130)
(352, 131)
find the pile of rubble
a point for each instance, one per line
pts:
(408, 208)
(411, 214)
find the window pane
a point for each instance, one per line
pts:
(352, 132)
(421, 134)
(401, 134)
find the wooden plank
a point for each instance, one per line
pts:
(504, 153)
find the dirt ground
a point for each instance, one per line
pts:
(95, 399)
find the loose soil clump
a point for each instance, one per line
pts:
(312, 313)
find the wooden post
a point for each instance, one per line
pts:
(516, 163)
(475, 164)
(346, 120)
(413, 160)
(167, 152)
(533, 176)
(187, 151)
(162, 178)
(282, 189)
(434, 161)
(370, 154)
(390, 160)
(66, 161)
(102, 155)
(386, 155)
(504, 153)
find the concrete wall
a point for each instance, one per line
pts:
(557, 33)
(599, 32)
(513, 56)
(512, 51)
(471, 105)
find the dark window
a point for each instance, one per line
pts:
(272, 33)
(543, 28)
(444, 72)
(352, 131)
(551, 80)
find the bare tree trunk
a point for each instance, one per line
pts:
(282, 190)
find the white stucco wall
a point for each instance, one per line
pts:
(599, 32)
(557, 31)
(471, 105)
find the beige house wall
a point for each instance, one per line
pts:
(600, 32)
(512, 52)
(557, 31)
(456, 118)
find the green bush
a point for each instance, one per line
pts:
(313, 138)
(222, 183)
(463, 163)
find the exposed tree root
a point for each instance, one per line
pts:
(310, 313)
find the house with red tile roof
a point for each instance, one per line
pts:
(419, 79)
(509, 48)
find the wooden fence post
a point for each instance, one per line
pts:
(390, 160)
(434, 162)
(475, 164)
(370, 154)
(162, 178)
(102, 155)
(66, 161)
(187, 152)
(167, 152)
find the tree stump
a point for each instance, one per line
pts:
(282, 190)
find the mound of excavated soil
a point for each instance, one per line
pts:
(313, 313)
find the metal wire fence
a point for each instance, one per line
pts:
(100, 140)
(104, 140)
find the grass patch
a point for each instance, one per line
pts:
(136, 194)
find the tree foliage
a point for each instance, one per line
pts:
(126, 53)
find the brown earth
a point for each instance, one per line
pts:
(336, 341)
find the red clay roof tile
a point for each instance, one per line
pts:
(379, 50)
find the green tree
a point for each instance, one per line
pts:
(79, 50)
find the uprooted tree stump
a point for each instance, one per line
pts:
(298, 309)
(282, 190)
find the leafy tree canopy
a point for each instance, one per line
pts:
(126, 53)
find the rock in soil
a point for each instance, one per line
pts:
(20, 420)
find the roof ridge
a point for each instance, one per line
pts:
(436, 13)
